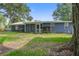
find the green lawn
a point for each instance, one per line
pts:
(7, 39)
(38, 46)
(51, 39)
(9, 33)
(7, 36)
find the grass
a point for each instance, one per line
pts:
(8, 36)
(56, 40)
(8, 33)
(7, 39)
(38, 46)
(30, 52)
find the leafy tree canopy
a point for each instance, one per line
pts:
(2, 22)
(15, 11)
(63, 12)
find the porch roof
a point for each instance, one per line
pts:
(34, 22)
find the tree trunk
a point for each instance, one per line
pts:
(75, 20)
(73, 45)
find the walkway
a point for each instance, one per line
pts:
(10, 46)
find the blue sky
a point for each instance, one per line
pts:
(42, 11)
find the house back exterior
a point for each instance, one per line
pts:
(43, 26)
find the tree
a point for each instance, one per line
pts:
(63, 12)
(2, 22)
(75, 19)
(74, 43)
(15, 11)
(29, 18)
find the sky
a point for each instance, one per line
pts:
(42, 11)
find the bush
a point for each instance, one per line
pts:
(1, 29)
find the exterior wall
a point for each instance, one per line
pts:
(12, 27)
(62, 28)
(69, 28)
(19, 28)
(48, 27)
(58, 28)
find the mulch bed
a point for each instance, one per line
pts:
(61, 51)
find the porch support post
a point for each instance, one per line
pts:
(39, 28)
(24, 27)
(16, 28)
(35, 27)
(65, 27)
(51, 25)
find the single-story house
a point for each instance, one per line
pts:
(43, 26)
